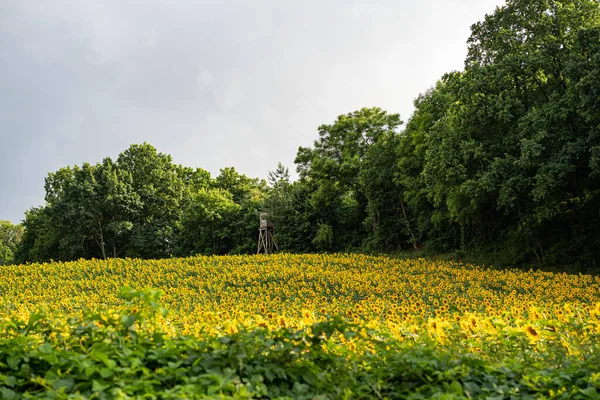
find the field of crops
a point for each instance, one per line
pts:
(296, 326)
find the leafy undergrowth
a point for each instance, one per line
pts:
(121, 355)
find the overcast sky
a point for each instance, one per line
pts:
(213, 83)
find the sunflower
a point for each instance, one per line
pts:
(531, 333)
(473, 322)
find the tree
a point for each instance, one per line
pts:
(511, 160)
(119, 205)
(387, 220)
(334, 166)
(10, 238)
(249, 194)
(289, 211)
(424, 223)
(159, 184)
(142, 205)
(92, 204)
(278, 200)
(280, 176)
(40, 237)
(239, 185)
(288, 206)
(208, 223)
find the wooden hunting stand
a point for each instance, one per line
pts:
(266, 241)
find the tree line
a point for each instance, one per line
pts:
(141, 205)
(500, 161)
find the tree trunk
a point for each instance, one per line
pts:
(102, 240)
(413, 238)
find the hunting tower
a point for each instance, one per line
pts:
(266, 241)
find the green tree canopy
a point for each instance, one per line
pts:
(10, 238)
(343, 166)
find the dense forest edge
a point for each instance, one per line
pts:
(499, 163)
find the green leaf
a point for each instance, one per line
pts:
(9, 380)
(46, 348)
(471, 388)
(99, 387)
(106, 372)
(456, 387)
(13, 363)
(590, 392)
(33, 318)
(8, 394)
(64, 384)
(128, 320)
(309, 377)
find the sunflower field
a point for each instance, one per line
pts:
(296, 327)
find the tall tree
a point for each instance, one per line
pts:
(334, 165)
(40, 237)
(10, 238)
(289, 211)
(249, 194)
(208, 223)
(511, 161)
(155, 179)
(425, 224)
(92, 205)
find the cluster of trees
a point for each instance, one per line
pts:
(141, 205)
(500, 160)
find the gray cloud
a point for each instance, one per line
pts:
(214, 83)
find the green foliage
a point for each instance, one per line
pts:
(40, 238)
(161, 192)
(509, 162)
(288, 206)
(208, 223)
(499, 160)
(249, 194)
(349, 170)
(10, 240)
(142, 205)
(324, 238)
(280, 177)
